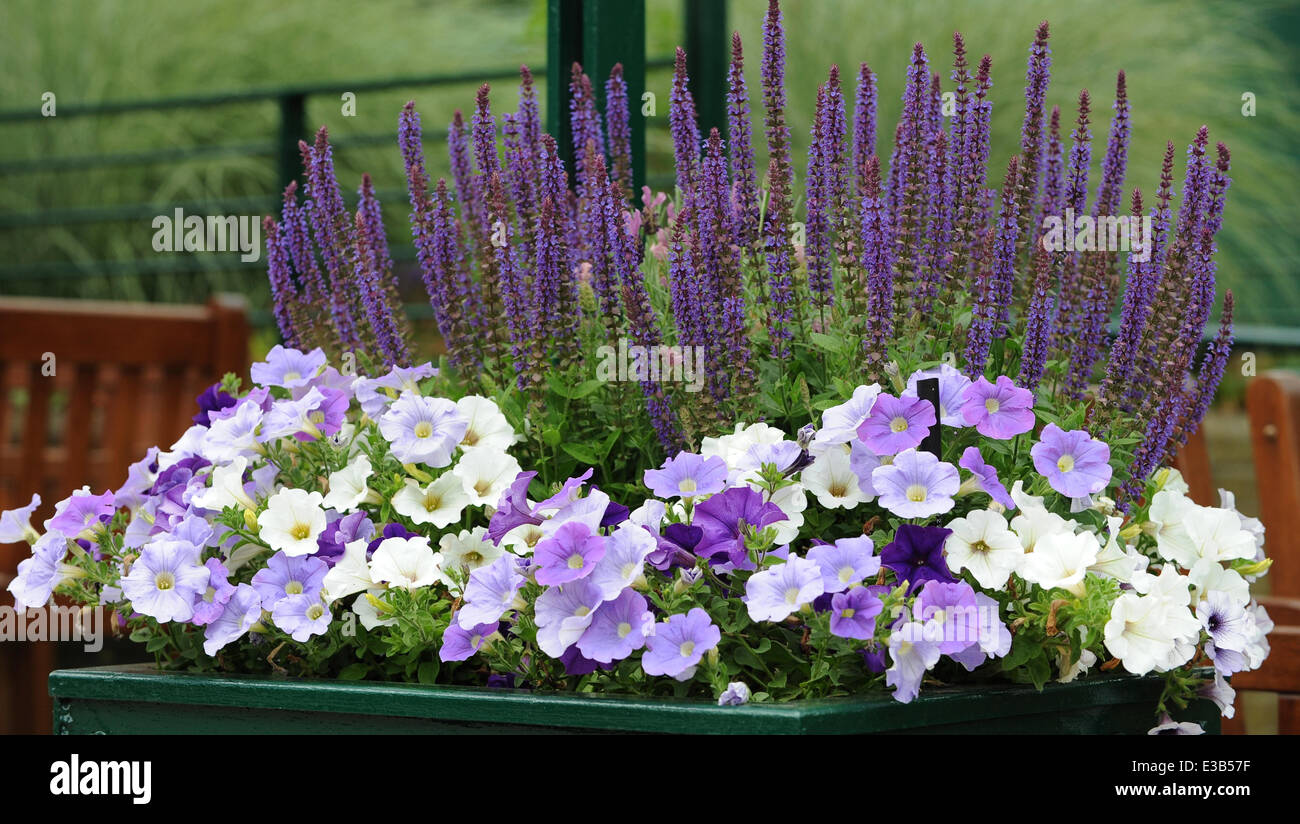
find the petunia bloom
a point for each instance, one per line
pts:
(679, 643)
(618, 629)
(776, 592)
(916, 485)
(896, 424)
(1074, 463)
(916, 555)
(423, 430)
(687, 476)
(984, 477)
(569, 554)
(999, 410)
(853, 613)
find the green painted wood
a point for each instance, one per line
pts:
(139, 699)
(597, 34)
(708, 50)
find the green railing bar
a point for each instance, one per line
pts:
(73, 163)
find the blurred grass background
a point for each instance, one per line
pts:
(1188, 63)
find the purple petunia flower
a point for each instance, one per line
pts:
(846, 562)
(679, 643)
(340, 532)
(212, 602)
(949, 614)
(165, 580)
(1001, 410)
(563, 614)
(302, 616)
(985, 476)
(569, 554)
(916, 555)
(853, 613)
(952, 391)
(720, 518)
(423, 430)
(994, 637)
(916, 485)
(687, 476)
(1074, 463)
(776, 592)
(896, 424)
(736, 693)
(286, 576)
(289, 368)
(79, 512)
(39, 575)
(242, 611)
(490, 592)
(513, 509)
(618, 629)
(15, 524)
(211, 400)
(459, 643)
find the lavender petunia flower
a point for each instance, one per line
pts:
(563, 614)
(679, 643)
(285, 576)
(302, 616)
(459, 643)
(1074, 463)
(289, 368)
(572, 552)
(776, 592)
(490, 592)
(39, 575)
(986, 477)
(15, 524)
(853, 613)
(687, 476)
(626, 550)
(896, 424)
(242, 611)
(211, 602)
(949, 614)
(618, 629)
(1169, 726)
(911, 656)
(916, 485)
(840, 423)
(846, 562)
(994, 638)
(1000, 410)
(916, 555)
(423, 430)
(952, 392)
(165, 580)
(736, 693)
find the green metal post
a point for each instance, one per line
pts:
(597, 34)
(293, 127)
(708, 48)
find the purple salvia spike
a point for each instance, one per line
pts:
(864, 126)
(514, 298)
(776, 233)
(1037, 76)
(684, 128)
(332, 231)
(1053, 169)
(817, 201)
(1038, 321)
(744, 197)
(1210, 373)
(283, 294)
(878, 263)
(1138, 297)
(972, 201)
(1076, 196)
(938, 220)
(618, 127)
(484, 127)
(584, 124)
(518, 170)
(368, 206)
(462, 171)
(961, 79)
(1004, 249)
(373, 298)
(293, 227)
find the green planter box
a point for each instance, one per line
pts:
(140, 699)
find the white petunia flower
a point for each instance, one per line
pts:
(981, 544)
(227, 488)
(1216, 534)
(1034, 521)
(348, 485)
(1170, 585)
(406, 563)
(1118, 560)
(463, 553)
(1144, 632)
(440, 503)
(832, 480)
(1060, 559)
(732, 448)
(840, 423)
(488, 427)
(364, 607)
(292, 521)
(1211, 576)
(350, 575)
(485, 474)
(522, 539)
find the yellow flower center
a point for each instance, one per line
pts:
(687, 486)
(979, 546)
(898, 424)
(916, 493)
(688, 648)
(846, 574)
(1065, 463)
(471, 438)
(623, 629)
(482, 487)
(293, 588)
(292, 376)
(423, 429)
(432, 502)
(992, 405)
(164, 581)
(848, 613)
(575, 561)
(300, 531)
(473, 557)
(315, 611)
(581, 612)
(792, 595)
(838, 489)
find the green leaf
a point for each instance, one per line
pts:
(354, 672)
(581, 453)
(585, 388)
(427, 673)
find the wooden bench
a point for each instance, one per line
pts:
(85, 388)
